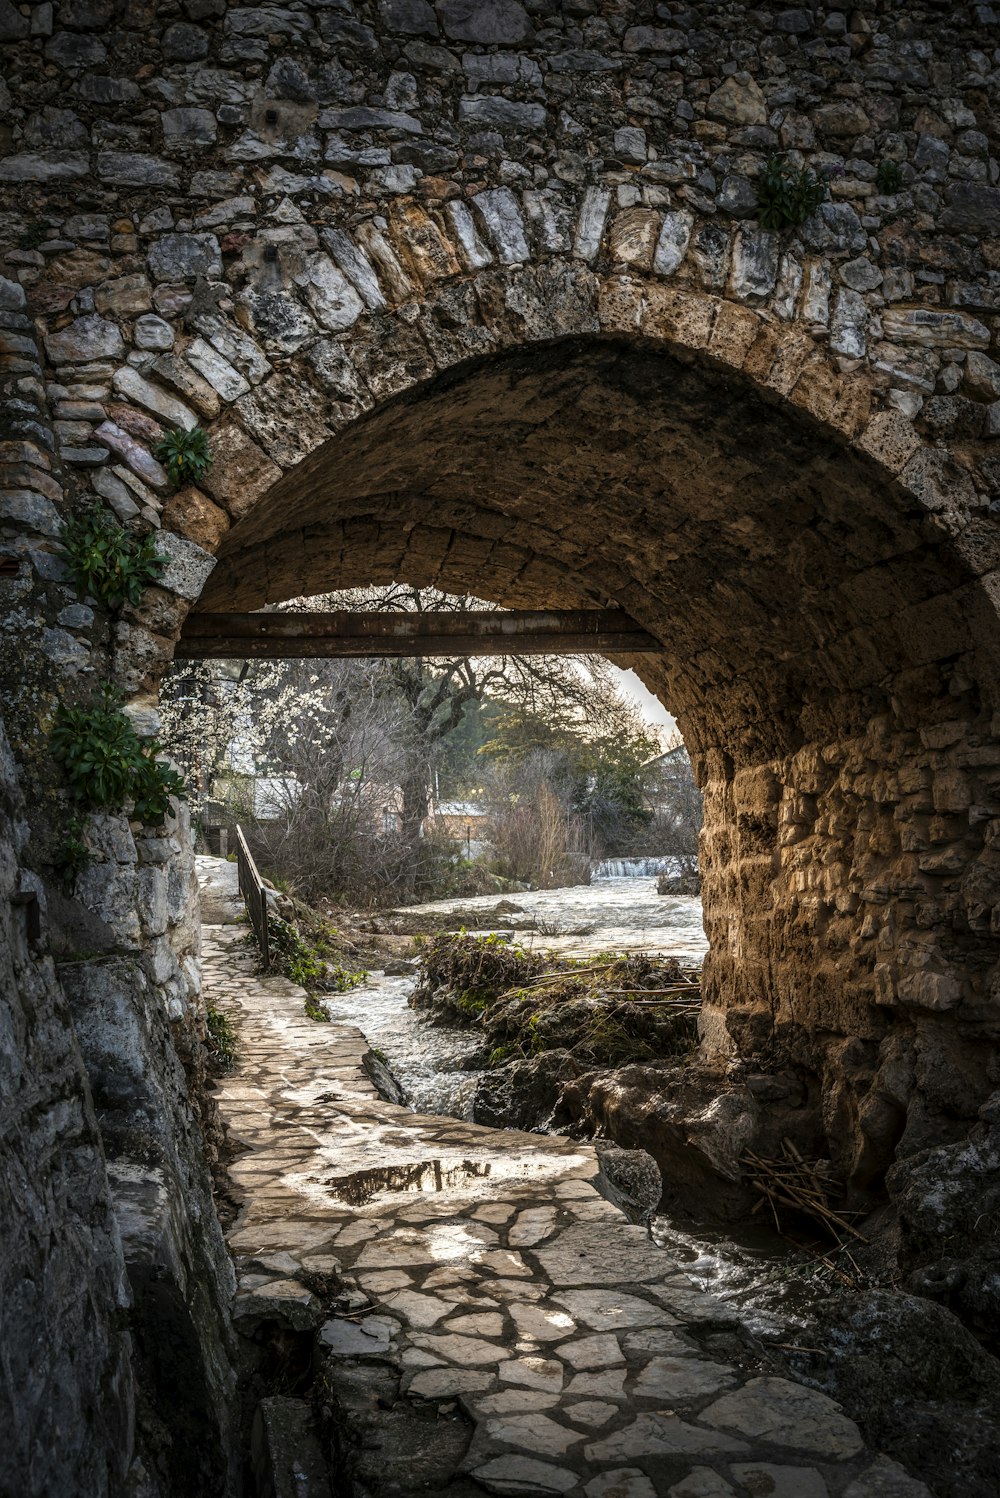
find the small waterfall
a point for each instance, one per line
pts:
(634, 868)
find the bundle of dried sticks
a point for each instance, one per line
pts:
(789, 1180)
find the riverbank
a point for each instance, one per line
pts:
(429, 1307)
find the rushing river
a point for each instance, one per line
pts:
(431, 1062)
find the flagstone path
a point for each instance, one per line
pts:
(504, 1329)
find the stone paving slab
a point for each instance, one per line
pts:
(553, 1346)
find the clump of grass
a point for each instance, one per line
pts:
(223, 1043)
(889, 177)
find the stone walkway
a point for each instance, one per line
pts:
(505, 1329)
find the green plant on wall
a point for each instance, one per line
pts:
(107, 561)
(71, 856)
(185, 455)
(222, 1040)
(787, 195)
(889, 177)
(106, 764)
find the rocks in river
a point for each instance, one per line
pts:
(522, 1094)
(685, 880)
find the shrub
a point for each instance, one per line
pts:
(787, 195)
(107, 766)
(305, 965)
(71, 857)
(185, 455)
(889, 178)
(107, 561)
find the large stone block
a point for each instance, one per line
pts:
(241, 472)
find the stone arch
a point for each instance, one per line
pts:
(831, 655)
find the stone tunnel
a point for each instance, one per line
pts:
(476, 295)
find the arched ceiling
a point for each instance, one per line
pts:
(780, 570)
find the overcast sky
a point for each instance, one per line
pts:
(651, 707)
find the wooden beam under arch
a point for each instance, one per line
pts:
(291, 635)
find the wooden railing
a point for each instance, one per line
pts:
(254, 893)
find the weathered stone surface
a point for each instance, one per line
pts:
(226, 381)
(788, 1414)
(188, 565)
(492, 109)
(287, 1302)
(137, 457)
(331, 296)
(129, 383)
(87, 338)
(738, 101)
(179, 376)
(192, 515)
(49, 166)
(187, 129)
(132, 169)
(240, 473)
(972, 208)
(662, 1434)
(184, 257)
(488, 21)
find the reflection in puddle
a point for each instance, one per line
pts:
(430, 1175)
(364, 1186)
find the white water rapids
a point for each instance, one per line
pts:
(431, 1062)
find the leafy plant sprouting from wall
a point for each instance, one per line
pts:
(889, 177)
(71, 855)
(107, 561)
(185, 455)
(787, 195)
(107, 766)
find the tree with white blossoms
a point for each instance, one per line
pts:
(223, 721)
(345, 752)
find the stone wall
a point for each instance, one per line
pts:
(117, 1366)
(478, 294)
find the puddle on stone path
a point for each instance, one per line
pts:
(362, 1187)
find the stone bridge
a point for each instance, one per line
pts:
(476, 294)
